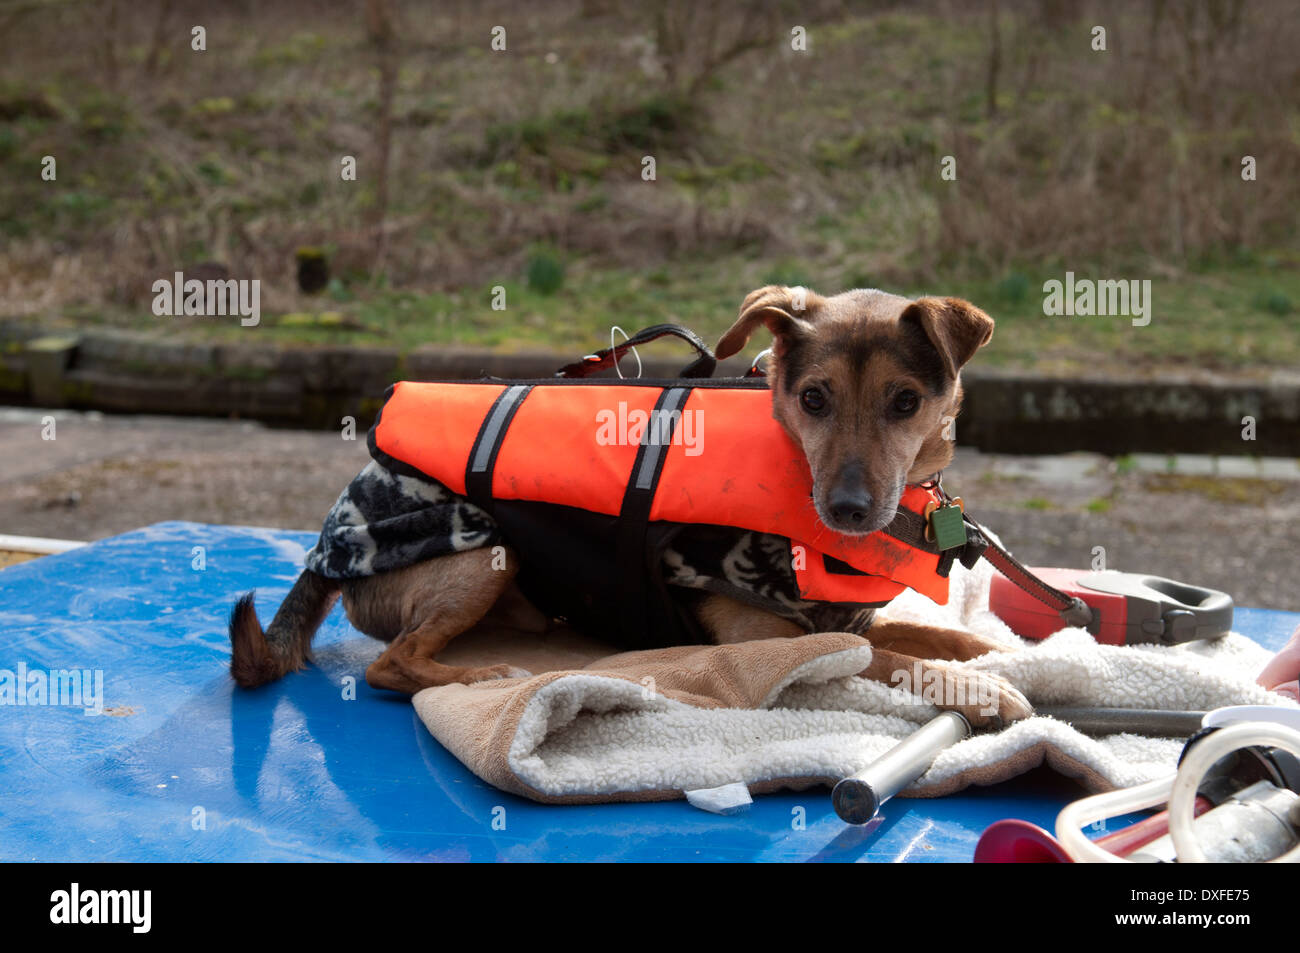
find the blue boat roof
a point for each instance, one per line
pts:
(185, 767)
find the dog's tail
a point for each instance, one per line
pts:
(259, 657)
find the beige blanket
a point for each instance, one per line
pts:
(790, 713)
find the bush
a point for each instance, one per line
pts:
(1270, 299)
(545, 272)
(1013, 288)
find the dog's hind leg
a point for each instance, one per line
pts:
(439, 599)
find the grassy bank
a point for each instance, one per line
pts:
(1217, 318)
(524, 168)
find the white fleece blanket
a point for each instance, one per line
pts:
(591, 735)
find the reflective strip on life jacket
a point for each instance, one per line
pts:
(741, 470)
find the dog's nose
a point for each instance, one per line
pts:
(850, 506)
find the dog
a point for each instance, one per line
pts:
(865, 383)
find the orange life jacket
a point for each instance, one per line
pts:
(621, 458)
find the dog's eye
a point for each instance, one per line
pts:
(906, 402)
(813, 400)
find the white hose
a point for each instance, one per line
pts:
(1198, 760)
(1100, 806)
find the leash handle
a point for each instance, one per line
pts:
(605, 358)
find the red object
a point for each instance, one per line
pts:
(1031, 619)
(1127, 608)
(1019, 842)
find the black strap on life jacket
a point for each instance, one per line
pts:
(630, 547)
(483, 455)
(634, 514)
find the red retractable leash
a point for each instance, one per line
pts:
(1118, 608)
(1127, 608)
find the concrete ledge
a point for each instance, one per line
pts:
(1005, 412)
(1192, 413)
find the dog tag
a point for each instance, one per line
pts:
(947, 525)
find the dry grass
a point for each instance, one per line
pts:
(1127, 159)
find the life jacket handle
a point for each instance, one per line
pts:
(605, 358)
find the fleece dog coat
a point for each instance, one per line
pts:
(384, 521)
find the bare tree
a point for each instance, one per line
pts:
(109, 39)
(995, 61)
(695, 40)
(161, 28)
(381, 30)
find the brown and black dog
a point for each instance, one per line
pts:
(865, 383)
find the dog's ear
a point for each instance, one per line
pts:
(785, 312)
(956, 328)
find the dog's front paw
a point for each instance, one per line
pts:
(985, 700)
(1001, 704)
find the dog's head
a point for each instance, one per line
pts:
(867, 384)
